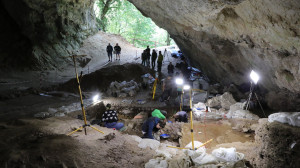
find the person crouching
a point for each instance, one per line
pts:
(152, 125)
(181, 116)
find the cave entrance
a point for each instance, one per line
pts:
(123, 18)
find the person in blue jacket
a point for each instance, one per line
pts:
(152, 124)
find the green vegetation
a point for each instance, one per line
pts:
(121, 17)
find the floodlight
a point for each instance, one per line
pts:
(96, 98)
(179, 81)
(186, 87)
(254, 77)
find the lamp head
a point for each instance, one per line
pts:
(179, 81)
(186, 87)
(96, 98)
(254, 77)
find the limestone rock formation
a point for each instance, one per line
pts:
(222, 101)
(228, 38)
(39, 33)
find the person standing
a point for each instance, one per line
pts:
(148, 55)
(109, 50)
(144, 58)
(118, 51)
(167, 89)
(166, 54)
(170, 68)
(153, 58)
(159, 61)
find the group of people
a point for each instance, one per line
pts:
(116, 49)
(146, 55)
(150, 127)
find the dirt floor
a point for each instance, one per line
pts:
(29, 142)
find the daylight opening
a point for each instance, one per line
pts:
(123, 18)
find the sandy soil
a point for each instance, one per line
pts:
(221, 132)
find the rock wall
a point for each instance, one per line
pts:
(228, 38)
(39, 33)
(278, 145)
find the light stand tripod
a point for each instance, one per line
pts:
(249, 98)
(82, 107)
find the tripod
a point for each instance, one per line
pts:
(249, 98)
(82, 107)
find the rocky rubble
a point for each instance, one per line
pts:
(170, 157)
(123, 89)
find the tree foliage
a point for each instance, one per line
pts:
(121, 17)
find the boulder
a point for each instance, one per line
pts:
(153, 144)
(156, 163)
(236, 111)
(286, 117)
(223, 101)
(227, 155)
(242, 114)
(173, 129)
(137, 138)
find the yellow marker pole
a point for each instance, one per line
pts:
(81, 101)
(176, 147)
(206, 143)
(154, 88)
(96, 129)
(74, 131)
(191, 118)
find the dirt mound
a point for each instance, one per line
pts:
(102, 78)
(43, 143)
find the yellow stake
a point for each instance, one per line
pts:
(191, 118)
(154, 88)
(205, 143)
(74, 131)
(176, 147)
